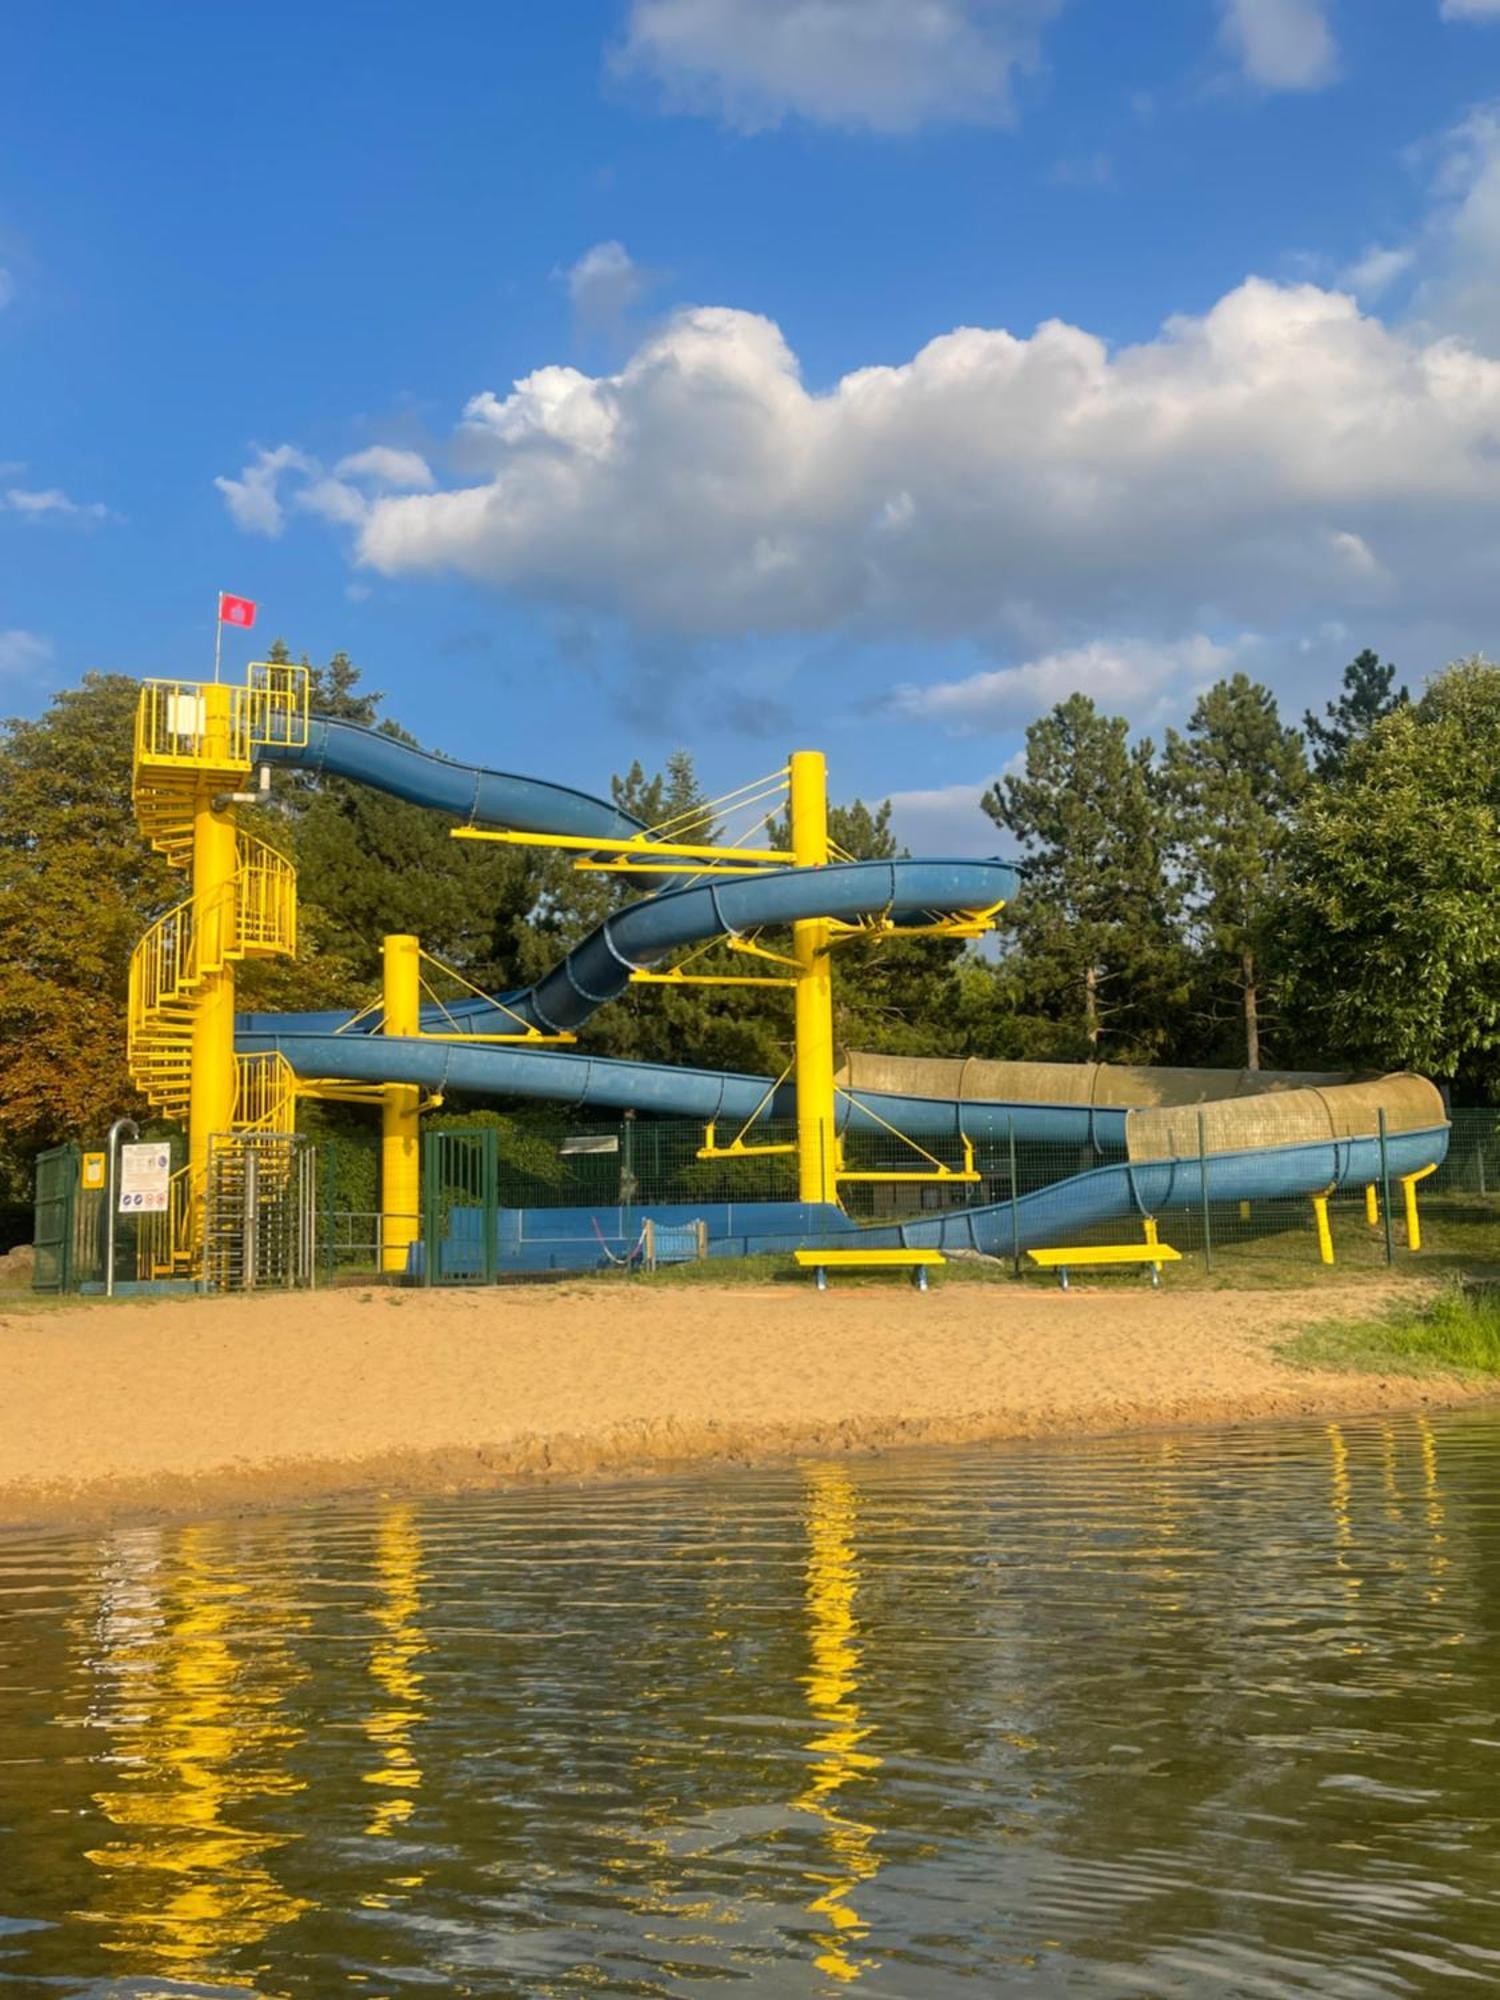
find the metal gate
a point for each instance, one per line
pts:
(56, 1210)
(260, 1211)
(460, 1182)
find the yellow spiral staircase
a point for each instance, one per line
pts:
(195, 746)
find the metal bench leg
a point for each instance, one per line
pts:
(919, 1277)
(820, 1278)
(1062, 1277)
(1156, 1277)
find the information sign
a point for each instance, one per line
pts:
(144, 1173)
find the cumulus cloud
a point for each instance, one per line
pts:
(873, 65)
(50, 503)
(1002, 489)
(22, 653)
(1281, 44)
(1130, 674)
(1471, 10)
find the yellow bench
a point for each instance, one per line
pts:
(1154, 1254)
(821, 1262)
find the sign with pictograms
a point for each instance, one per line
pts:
(93, 1170)
(144, 1173)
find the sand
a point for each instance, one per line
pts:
(194, 1406)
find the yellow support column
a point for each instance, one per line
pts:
(400, 1161)
(216, 939)
(1413, 1217)
(1372, 1206)
(817, 1164)
(1325, 1234)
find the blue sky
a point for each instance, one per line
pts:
(745, 374)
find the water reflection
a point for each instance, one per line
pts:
(398, 1568)
(191, 1711)
(833, 1696)
(1211, 1714)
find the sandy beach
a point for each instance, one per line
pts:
(200, 1405)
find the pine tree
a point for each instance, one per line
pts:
(1393, 915)
(1369, 693)
(1093, 947)
(1234, 781)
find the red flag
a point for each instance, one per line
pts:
(236, 610)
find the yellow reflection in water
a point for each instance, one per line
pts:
(1434, 1513)
(191, 1676)
(1340, 1492)
(398, 1562)
(832, 1695)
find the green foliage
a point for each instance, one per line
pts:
(77, 887)
(1369, 694)
(1393, 908)
(1233, 782)
(1093, 946)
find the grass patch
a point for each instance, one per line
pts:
(1455, 1332)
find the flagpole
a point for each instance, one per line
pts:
(218, 636)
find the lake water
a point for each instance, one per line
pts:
(1191, 1714)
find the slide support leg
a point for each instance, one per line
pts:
(400, 1161)
(1325, 1234)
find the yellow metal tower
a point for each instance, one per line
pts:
(195, 745)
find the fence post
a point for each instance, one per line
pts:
(1015, 1212)
(1385, 1190)
(329, 1150)
(1208, 1234)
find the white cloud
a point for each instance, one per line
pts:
(1005, 490)
(1471, 10)
(1281, 44)
(1373, 274)
(604, 285)
(51, 503)
(7, 288)
(23, 653)
(385, 465)
(874, 65)
(1130, 674)
(947, 820)
(254, 500)
(1459, 249)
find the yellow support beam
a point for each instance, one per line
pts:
(1409, 1197)
(1325, 1234)
(647, 850)
(400, 1116)
(213, 1083)
(817, 1136)
(675, 978)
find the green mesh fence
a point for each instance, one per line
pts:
(637, 1162)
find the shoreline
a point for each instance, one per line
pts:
(153, 1409)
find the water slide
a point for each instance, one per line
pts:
(1174, 1134)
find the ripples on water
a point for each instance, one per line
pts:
(1210, 1714)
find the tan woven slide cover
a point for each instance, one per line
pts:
(1241, 1108)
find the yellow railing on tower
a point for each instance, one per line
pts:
(194, 727)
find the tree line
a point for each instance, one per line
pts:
(1247, 893)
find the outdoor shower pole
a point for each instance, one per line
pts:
(112, 1145)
